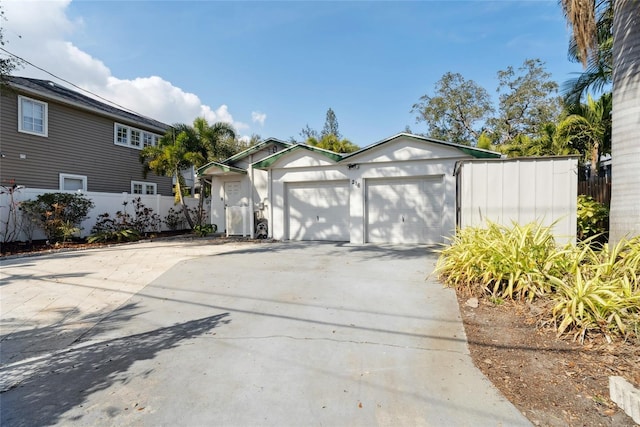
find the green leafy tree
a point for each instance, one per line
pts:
(588, 129)
(625, 134)
(456, 111)
(332, 143)
(527, 101)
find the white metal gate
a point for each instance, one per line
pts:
(237, 214)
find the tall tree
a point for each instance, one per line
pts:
(624, 219)
(588, 129)
(329, 136)
(527, 101)
(457, 110)
(177, 150)
(307, 133)
(330, 125)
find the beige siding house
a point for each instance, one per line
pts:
(54, 138)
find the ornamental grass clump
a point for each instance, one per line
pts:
(592, 288)
(602, 293)
(504, 262)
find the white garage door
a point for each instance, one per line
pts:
(318, 211)
(404, 210)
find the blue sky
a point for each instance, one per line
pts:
(271, 67)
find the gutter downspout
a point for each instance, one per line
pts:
(251, 204)
(269, 199)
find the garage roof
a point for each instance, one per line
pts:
(268, 161)
(467, 149)
(259, 146)
(219, 169)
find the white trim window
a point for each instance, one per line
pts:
(128, 136)
(70, 182)
(135, 138)
(139, 187)
(33, 116)
(122, 135)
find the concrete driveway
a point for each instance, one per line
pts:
(195, 333)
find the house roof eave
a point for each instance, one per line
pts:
(267, 162)
(469, 150)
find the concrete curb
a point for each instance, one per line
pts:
(626, 396)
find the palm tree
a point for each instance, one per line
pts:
(546, 143)
(177, 150)
(625, 136)
(216, 142)
(589, 129)
(598, 69)
(333, 143)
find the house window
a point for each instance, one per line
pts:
(135, 138)
(32, 116)
(148, 139)
(122, 135)
(70, 182)
(138, 187)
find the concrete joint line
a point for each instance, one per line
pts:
(336, 341)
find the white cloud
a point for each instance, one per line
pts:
(150, 96)
(258, 117)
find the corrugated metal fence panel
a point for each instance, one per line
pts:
(521, 191)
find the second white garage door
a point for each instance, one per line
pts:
(318, 211)
(404, 210)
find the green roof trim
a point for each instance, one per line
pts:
(259, 146)
(478, 153)
(223, 168)
(267, 162)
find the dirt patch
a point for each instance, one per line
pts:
(553, 382)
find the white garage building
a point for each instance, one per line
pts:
(399, 190)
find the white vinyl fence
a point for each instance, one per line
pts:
(104, 203)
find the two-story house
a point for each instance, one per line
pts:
(55, 138)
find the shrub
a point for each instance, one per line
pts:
(124, 226)
(593, 217)
(203, 230)
(174, 220)
(59, 215)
